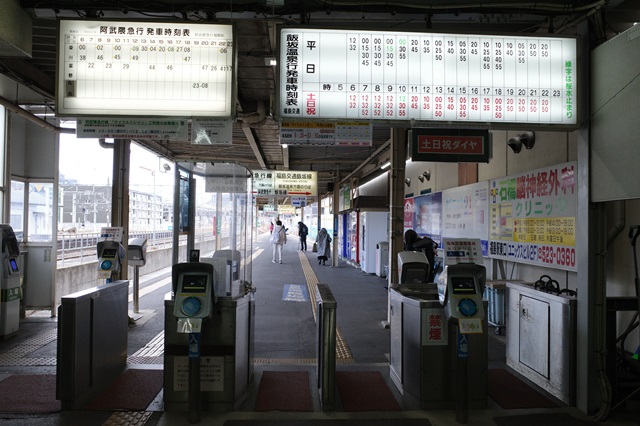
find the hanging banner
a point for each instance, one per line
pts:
(533, 217)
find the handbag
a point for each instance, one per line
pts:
(315, 247)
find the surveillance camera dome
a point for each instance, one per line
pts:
(515, 144)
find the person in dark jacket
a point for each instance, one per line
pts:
(303, 231)
(413, 242)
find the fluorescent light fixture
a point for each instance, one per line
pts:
(385, 165)
(270, 61)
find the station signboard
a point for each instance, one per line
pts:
(285, 183)
(374, 75)
(129, 68)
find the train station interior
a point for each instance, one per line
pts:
(285, 212)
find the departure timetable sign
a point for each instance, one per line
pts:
(372, 75)
(144, 68)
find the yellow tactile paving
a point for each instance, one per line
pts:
(343, 354)
(128, 418)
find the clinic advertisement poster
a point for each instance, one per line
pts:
(533, 217)
(465, 213)
(427, 215)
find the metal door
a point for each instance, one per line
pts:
(534, 334)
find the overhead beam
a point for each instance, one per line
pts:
(254, 146)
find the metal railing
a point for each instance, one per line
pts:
(82, 247)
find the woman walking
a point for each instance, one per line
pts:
(278, 238)
(324, 246)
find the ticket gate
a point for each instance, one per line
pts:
(10, 282)
(223, 327)
(426, 344)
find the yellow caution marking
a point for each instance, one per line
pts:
(343, 354)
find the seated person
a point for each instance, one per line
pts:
(413, 242)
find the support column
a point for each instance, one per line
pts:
(396, 207)
(120, 196)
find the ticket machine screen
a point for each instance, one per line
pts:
(194, 283)
(110, 252)
(463, 285)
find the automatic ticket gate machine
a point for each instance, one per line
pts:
(208, 339)
(110, 255)
(10, 284)
(463, 287)
(194, 295)
(438, 341)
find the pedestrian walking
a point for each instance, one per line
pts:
(324, 246)
(278, 239)
(303, 231)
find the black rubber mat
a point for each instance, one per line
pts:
(546, 419)
(510, 392)
(337, 422)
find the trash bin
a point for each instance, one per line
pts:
(382, 258)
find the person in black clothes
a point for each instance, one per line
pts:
(413, 242)
(303, 231)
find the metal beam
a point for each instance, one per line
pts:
(254, 146)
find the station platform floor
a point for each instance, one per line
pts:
(284, 341)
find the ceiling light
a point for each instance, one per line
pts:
(385, 165)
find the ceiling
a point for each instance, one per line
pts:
(256, 134)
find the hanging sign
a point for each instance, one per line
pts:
(172, 129)
(144, 68)
(375, 75)
(212, 131)
(450, 145)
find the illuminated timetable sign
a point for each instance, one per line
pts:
(144, 68)
(371, 75)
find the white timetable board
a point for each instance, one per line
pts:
(144, 68)
(372, 75)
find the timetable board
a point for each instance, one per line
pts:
(373, 75)
(144, 68)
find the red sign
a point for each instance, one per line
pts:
(438, 144)
(451, 145)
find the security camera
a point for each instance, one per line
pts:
(166, 167)
(526, 139)
(515, 144)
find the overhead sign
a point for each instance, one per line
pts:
(450, 145)
(285, 182)
(144, 68)
(299, 201)
(212, 131)
(133, 128)
(225, 184)
(322, 133)
(286, 209)
(374, 75)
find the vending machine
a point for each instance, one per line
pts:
(373, 228)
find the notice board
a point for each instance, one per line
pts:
(533, 217)
(465, 213)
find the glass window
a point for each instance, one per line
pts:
(17, 209)
(40, 214)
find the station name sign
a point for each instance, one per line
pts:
(373, 75)
(144, 68)
(285, 183)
